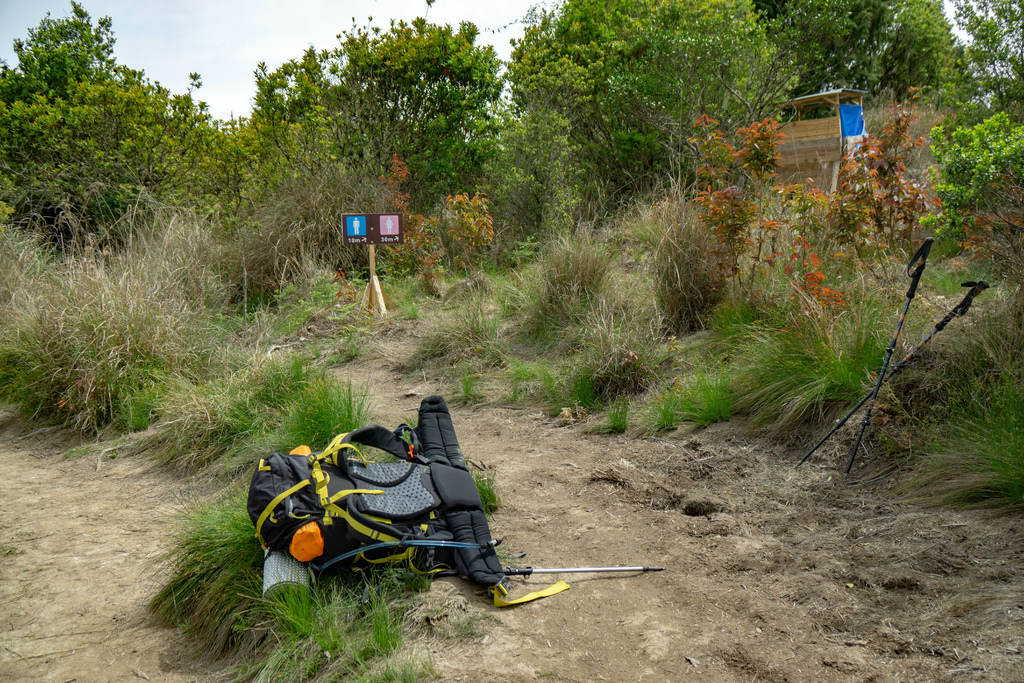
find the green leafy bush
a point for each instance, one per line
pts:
(981, 186)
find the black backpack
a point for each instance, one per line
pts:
(423, 510)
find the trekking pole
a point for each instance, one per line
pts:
(958, 310)
(915, 278)
(527, 571)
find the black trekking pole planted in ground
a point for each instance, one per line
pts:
(915, 278)
(957, 311)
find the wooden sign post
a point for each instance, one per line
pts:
(372, 229)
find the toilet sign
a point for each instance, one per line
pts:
(372, 228)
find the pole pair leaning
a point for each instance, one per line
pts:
(958, 310)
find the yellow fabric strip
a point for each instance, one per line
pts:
(341, 494)
(390, 559)
(499, 600)
(264, 467)
(273, 504)
(331, 452)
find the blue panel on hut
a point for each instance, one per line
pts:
(851, 117)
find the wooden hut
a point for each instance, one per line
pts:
(814, 146)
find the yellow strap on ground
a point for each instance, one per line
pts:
(273, 504)
(499, 600)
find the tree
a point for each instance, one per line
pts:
(992, 75)
(873, 45)
(82, 137)
(632, 78)
(918, 48)
(423, 91)
(58, 54)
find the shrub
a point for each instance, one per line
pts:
(981, 186)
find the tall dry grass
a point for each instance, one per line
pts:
(687, 283)
(82, 336)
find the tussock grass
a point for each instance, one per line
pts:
(784, 377)
(98, 329)
(271, 403)
(975, 452)
(23, 264)
(471, 333)
(980, 461)
(571, 278)
(686, 282)
(620, 357)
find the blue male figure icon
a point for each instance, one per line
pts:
(355, 226)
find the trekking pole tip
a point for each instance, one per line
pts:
(654, 569)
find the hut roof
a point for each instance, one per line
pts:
(832, 97)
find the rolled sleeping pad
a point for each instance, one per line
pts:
(281, 570)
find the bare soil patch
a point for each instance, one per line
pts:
(80, 540)
(772, 574)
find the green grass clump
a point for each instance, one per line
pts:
(324, 409)
(617, 419)
(705, 398)
(216, 570)
(469, 387)
(980, 461)
(533, 380)
(488, 495)
(350, 627)
(265, 404)
(787, 376)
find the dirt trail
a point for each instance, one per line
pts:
(773, 574)
(78, 547)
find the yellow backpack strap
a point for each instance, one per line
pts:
(499, 592)
(331, 452)
(273, 504)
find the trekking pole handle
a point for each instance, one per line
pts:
(965, 305)
(921, 255)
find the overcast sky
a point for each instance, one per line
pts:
(224, 40)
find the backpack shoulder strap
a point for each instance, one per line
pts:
(384, 439)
